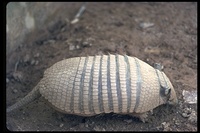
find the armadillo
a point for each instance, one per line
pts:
(92, 85)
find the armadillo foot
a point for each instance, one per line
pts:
(142, 116)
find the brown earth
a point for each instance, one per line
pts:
(109, 28)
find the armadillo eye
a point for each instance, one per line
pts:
(167, 91)
(164, 91)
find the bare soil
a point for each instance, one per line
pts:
(109, 28)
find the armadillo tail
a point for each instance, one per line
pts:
(34, 94)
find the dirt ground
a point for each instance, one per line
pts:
(170, 38)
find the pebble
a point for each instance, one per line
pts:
(190, 96)
(77, 47)
(187, 112)
(37, 55)
(36, 62)
(32, 62)
(86, 44)
(17, 76)
(96, 128)
(71, 47)
(128, 121)
(177, 122)
(193, 117)
(185, 115)
(86, 125)
(26, 58)
(7, 80)
(158, 128)
(61, 125)
(50, 41)
(146, 25)
(165, 126)
(14, 91)
(81, 125)
(100, 53)
(78, 39)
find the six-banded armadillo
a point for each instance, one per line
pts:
(92, 85)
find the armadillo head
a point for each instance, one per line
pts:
(167, 92)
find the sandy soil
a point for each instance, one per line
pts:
(109, 28)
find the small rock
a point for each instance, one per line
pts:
(7, 80)
(81, 125)
(90, 124)
(32, 62)
(86, 44)
(146, 25)
(50, 41)
(128, 121)
(159, 128)
(77, 47)
(185, 115)
(151, 112)
(190, 96)
(177, 122)
(86, 125)
(63, 29)
(103, 129)
(71, 47)
(18, 76)
(152, 50)
(100, 53)
(61, 125)
(36, 62)
(96, 128)
(26, 58)
(164, 123)
(78, 40)
(90, 39)
(37, 55)
(165, 126)
(195, 60)
(186, 112)
(193, 117)
(14, 91)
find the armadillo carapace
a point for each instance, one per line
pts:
(92, 85)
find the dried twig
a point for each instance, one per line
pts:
(80, 12)
(16, 65)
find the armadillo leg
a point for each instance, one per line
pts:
(141, 116)
(34, 94)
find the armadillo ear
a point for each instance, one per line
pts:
(158, 66)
